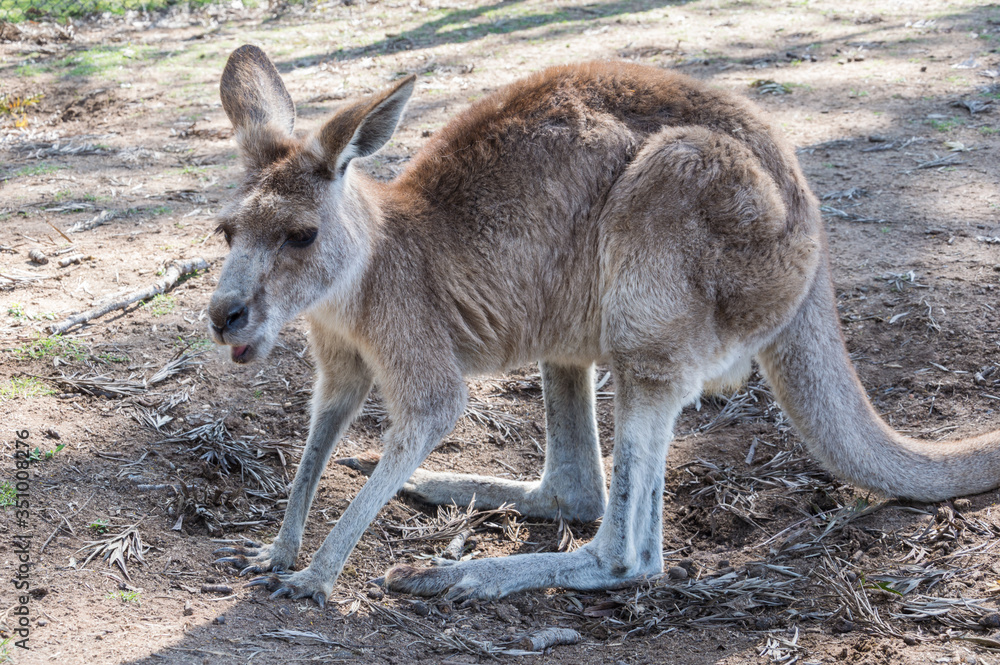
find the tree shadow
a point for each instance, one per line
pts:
(448, 29)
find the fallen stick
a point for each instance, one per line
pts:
(20, 278)
(457, 544)
(74, 258)
(175, 271)
(548, 637)
(102, 217)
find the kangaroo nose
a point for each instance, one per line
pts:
(229, 318)
(237, 317)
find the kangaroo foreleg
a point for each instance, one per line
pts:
(406, 445)
(343, 384)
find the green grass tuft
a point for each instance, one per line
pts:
(946, 125)
(37, 169)
(46, 347)
(160, 304)
(8, 495)
(24, 387)
(125, 596)
(21, 10)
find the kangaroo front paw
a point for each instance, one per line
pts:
(301, 584)
(253, 557)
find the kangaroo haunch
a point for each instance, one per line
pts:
(603, 212)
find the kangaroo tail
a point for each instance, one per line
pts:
(815, 383)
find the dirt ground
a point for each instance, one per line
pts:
(115, 125)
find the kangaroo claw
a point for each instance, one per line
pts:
(295, 585)
(253, 557)
(365, 463)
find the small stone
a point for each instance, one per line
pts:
(851, 576)
(188, 609)
(677, 573)
(844, 626)
(962, 505)
(689, 565)
(419, 608)
(764, 623)
(375, 593)
(219, 620)
(725, 564)
(42, 622)
(909, 640)
(991, 620)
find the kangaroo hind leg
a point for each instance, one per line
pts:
(572, 484)
(628, 543)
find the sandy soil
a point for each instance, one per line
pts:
(126, 119)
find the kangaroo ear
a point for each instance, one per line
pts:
(256, 101)
(363, 127)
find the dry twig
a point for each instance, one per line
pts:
(173, 273)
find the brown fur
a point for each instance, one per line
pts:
(604, 212)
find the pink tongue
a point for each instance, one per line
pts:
(238, 351)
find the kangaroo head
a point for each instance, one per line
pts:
(297, 227)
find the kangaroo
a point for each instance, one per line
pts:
(602, 212)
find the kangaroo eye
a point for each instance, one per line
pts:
(302, 238)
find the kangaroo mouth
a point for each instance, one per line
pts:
(241, 354)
